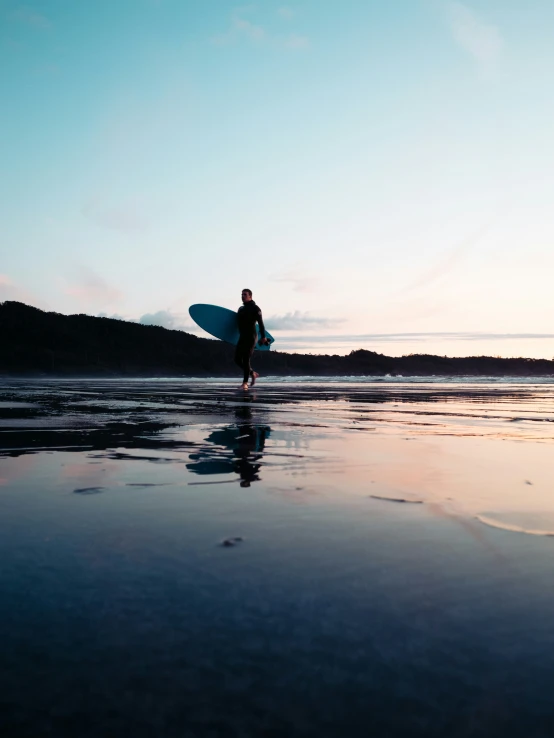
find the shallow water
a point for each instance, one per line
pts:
(385, 584)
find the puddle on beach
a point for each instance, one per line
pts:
(298, 560)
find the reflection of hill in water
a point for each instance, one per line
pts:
(236, 449)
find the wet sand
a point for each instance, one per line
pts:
(309, 559)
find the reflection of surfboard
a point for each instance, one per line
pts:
(222, 324)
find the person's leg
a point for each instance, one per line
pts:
(242, 359)
(246, 356)
(243, 354)
(239, 356)
(248, 350)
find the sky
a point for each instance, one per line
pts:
(380, 174)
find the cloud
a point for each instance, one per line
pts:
(294, 41)
(126, 219)
(410, 337)
(167, 319)
(285, 12)
(46, 70)
(297, 321)
(252, 31)
(449, 262)
(161, 318)
(90, 287)
(31, 18)
(251, 7)
(9, 290)
(113, 316)
(241, 27)
(298, 279)
(480, 40)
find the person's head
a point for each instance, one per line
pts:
(246, 295)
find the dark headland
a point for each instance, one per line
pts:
(38, 343)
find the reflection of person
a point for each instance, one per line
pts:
(247, 316)
(251, 445)
(246, 443)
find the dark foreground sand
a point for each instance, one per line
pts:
(388, 567)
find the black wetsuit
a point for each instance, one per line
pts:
(247, 316)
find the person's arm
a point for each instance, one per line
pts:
(261, 324)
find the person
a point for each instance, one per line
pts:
(247, 316)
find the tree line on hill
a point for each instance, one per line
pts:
(38, 343)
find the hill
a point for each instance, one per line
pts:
(38, 343)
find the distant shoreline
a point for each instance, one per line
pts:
(37, 344)
(91, 374)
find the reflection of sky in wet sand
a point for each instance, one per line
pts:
(484, 477)
(339, 604)
(476, 450)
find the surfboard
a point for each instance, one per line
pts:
(222, 323)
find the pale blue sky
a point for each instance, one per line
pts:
(381, 174)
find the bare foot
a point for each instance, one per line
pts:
(244, 386)
(253, 376)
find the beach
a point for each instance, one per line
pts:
(310, 558)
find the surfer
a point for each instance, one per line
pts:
(247, 316)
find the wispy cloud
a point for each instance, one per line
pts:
(46, 70)
(285, 12)
(245, 9)
(298, 279)
(89, 287)
(126, 218)
(10, 290)
(113, 316)
(242, 27)
(294, 41)
(251, 30)
(31, 18)
(167, 319)
(482, 41)
(297, 321)
(361, 338)
(448, 262)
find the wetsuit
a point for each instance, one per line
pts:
(247, 316)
